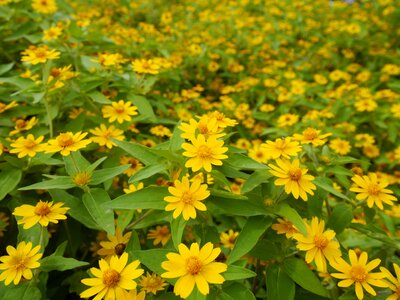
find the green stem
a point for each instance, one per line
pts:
(131, 225)
(50, 122)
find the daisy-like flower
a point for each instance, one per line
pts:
(119, 111)
(23, 125)
(222, 120)
(115, 245)
(42, 213)
(135, 165)
(39, 55)
(134, 295)
(112, 280)
(208, 127)
(203, 153)
(152, 283)
(311, 136)
(160, 235)
(44, 6)
(103, 135)
(358, 272)
(392, 282)
(145, 66)
(340, 146)
(4, 107)
(19, 263)
(67, 142)
(281, 148)
(186, 198)
(194, 266)
(133, 188)
(293, 177)
(285, 227)
(372, 190)
(318, 243)
(228, 239)
(27, 146)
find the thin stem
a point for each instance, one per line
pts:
(50, 122)
(150, 211)
(74, 162)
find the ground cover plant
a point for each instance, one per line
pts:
(199, 149)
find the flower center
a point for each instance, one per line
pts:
(18, 262)
(204, 151)
(40, 53)
(193, 265)
(20, 124)
(320, 241)
(310, 134)
(374, 189)
(29, 144)
(65, 140)
(398, 290)
(164, 231)
(119, 249)
(120, 109)
(295, 174)
(358, 273)
(111, 278)
(42, 209)
(107, 134)
(187, 197)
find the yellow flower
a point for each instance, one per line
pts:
(160, 235)
(365, 105)
(283, 147)
(52, 33)
(82, 178)
(392, 282)
(160, 131)
(113, 280)
(119, 111)
(258, 153)
(228, 239)
(4, 107)
(285, 227)
(19, 263)
(133, 188)
(287, 120)
(27, 146)
(44, 6)
(358, 273)
(204, 152)
(103, 135)
(371, 189)
(39, 55)
(194, 266)
(340, 146)
(134, 295)
(222, 120)
(318, 244)
(208, 127)
(152, 283)
(135, 165)
(186, 198)
(24, 125)
(67, 142)
(311, 136)
(295, 179)
(115, 245)
(42, 213)
(145, 66)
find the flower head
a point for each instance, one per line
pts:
(160, 235)
(340, 146)
(119, 111)
(293, 177)
(186, 198)
(42, 213)
(44, 6)
(27, 146)
(19, 263)
(206, 126)
(392, 282)
(112, 280)
(115, 245)
(311, 136)
(67, 142)
(203, 153)
(318, 243)
(103, 135)
(371, 189)
(281, 148)
(358, 272)
(145, 66)
(194, 266)
(285, 227)
(151, 283)
(39, 55)
(228, 239)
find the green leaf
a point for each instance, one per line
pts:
(303, 276)
(148, 198)
(227, 195)
(59, 263)
(61, 182)
(102, 215)
(147, 172)
(22, 291)
(140, 152)
(255, 179)
(177, 228)
(326, 184)
(341, 217)
(292, 215)
(237, 272)
(236, 207)
(94, 165)
(279, 285)
(242, 162)
(102, 175)
(175, 142)
(9, 179)
(196, 295)
(33, 235)
(75, 163)
(152, 258)
(145, 108)
(249, 236)
(238, 291)
(77, 210)
(99, 98)
(61, 249)
(5, 68)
